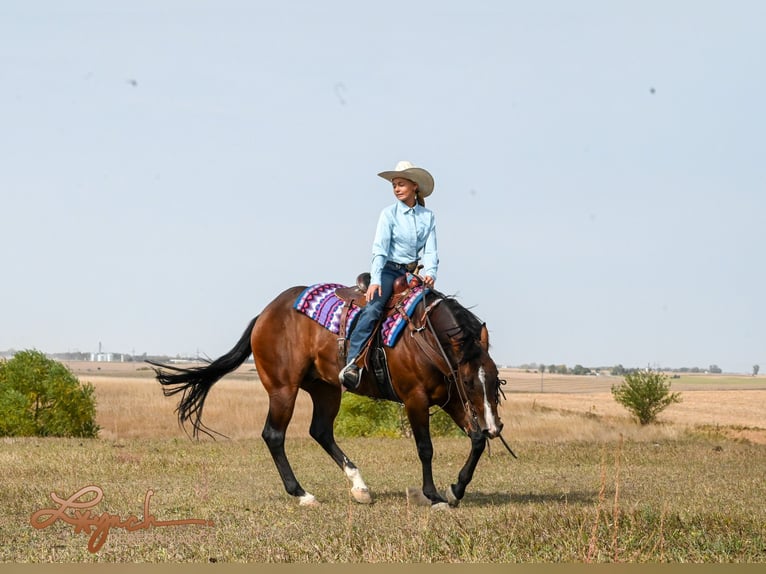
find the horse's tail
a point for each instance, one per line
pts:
(196, 382)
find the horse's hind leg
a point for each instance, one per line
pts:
(281, 405)
(326, 399)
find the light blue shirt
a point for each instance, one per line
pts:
(405, 234)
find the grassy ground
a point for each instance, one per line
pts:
(589, 485)
(574, 502)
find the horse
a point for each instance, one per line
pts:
(441, 360)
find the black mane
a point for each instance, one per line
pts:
(465, 330)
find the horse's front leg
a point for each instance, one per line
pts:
(456, 491)
(419, 421)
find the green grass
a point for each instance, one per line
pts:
(696, 499)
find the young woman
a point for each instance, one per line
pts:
(406, 235)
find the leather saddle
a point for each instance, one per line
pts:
(356, 293)
(373, 356)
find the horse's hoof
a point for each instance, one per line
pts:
(440, 506)
(361, 495)
(415, 496)
(452, 500)
(308, 500)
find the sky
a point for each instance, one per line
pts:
(168, 168)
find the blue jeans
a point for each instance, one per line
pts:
(370, 313)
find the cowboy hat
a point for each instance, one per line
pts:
(406, 170)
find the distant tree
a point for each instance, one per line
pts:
(580, 370)
(552, 369)
(617, 370)
(756, 368)
(562, 369)
(715, 369)
(41, 397)
(645, 394)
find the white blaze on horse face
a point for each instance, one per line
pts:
(489, 418)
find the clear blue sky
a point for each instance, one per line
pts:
(167, 168)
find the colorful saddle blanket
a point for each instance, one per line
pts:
(321, 304)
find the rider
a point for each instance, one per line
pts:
(406, 232)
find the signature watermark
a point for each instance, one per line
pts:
(75, 511)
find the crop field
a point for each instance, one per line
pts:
(590, 485)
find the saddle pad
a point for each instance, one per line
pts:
(394, 324)
(320, 303)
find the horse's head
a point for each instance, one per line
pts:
(465, 340)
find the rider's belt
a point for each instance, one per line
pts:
(403, 266)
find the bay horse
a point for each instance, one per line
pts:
(441, 359)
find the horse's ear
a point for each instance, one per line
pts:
(484, 339)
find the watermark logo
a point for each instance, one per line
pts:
(75, 510)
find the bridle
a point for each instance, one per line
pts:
(435, 352)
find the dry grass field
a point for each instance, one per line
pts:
(590, 485)
(131, 405)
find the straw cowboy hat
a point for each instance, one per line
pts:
(406, 170)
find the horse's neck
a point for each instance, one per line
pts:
(442, 318)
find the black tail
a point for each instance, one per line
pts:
(195, 383)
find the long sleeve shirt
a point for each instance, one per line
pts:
(405, 234)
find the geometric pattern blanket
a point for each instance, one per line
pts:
(320, 303)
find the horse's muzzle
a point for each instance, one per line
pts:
(493, 431)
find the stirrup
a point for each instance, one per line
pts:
(350, 375)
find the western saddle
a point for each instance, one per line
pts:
(356, 295)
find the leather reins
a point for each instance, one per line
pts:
(438, 356)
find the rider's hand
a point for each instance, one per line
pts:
(372, 290)
(428, 281)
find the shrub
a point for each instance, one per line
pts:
(645, 394)
(41, 397)
(443, 425)
(364, 417)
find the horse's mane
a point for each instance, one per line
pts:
(466, 330)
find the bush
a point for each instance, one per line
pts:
(645, 394)
(364, 417)
(41, 397)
